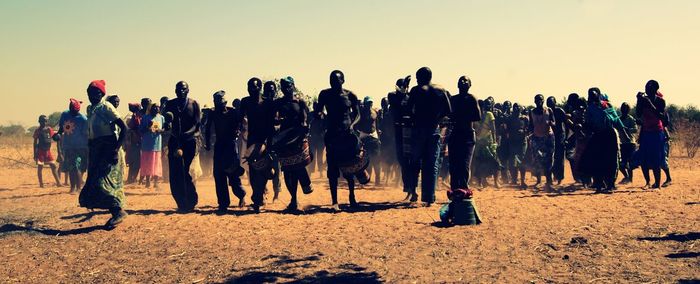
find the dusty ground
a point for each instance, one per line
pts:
(630, 236)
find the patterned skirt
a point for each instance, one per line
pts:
(104, 187)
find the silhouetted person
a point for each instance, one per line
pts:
(429, 104)
(651, 108)
(342, 109)
(225, 122)
(465, 111)
(559, 139)
(542, 141)
(260, 128)
(293, 153)
(318, 128)
(403, 123)
(269, 94)
(185, 121)
(628, 144)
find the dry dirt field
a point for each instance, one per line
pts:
(632, 236)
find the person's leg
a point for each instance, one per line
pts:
(188, 155)
(234, 180)
(305, 181)
(429, 168)
(221, 186)
(291, 181)
(177, 176)
(333, 173)
(657, 177)
(39, 175)
(54, 172)
(457, 164)
(645, 172)
(351, 190)
(276, 183)
(668, 180)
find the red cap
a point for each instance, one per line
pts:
(75, 104)
(99, 84)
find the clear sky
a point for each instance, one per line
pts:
(50, 50)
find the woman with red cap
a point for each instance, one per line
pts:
(104, 187)
(72, 128)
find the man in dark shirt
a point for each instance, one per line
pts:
(269, 95)
(398, 110)
(465, 111)
(342, 112)
(429, 104)
(559, 139)
(260, 129)
(184, 116)
(226, 124)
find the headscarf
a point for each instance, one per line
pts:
(99, 84)
(75, 104)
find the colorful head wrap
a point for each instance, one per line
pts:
(99, 84)
(75, 104)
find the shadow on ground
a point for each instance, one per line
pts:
(11, 228)
(281, 268)
(691, 236)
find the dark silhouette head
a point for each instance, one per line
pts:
(182, 89)
(114, 100)
(236, 103)
(43, 120)
(625, 109)
(287, 86)
(146, 103)
(385, 103)
(506, 107)
(594, 95)
(651, 88)
(337, 79)
(464, 84)
(516, 109)
(539, 100)
(220, 99)
(551, 102)
(269, 90)
(255, 87)
(424, 75)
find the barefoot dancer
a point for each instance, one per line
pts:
(542, 141)
(429, 104)
(465, 111)
(651, 109)
(226, 123)
(74, 136)
(401, 115)
(342, 108)
(559, 138)
(42, 150)
(185, 125)
(260, 128)
(292, 115)
(104, 185)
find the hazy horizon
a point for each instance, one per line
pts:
(512, 50)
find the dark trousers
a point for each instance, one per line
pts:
(461, 147)
(292, 178)
(181, 185)
(226, 158)
(409, 173)
(559, 154)
(258, 182)
(425, 150)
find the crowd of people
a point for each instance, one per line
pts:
(417, 137)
